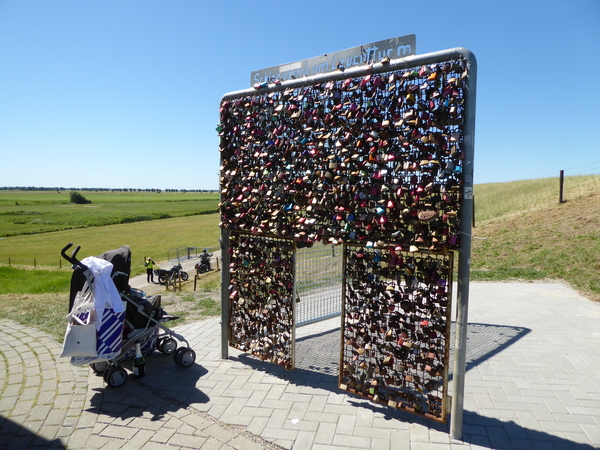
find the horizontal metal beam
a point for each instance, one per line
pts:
(394, 64)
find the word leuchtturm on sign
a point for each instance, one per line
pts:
(394, 48)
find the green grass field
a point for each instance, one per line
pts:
(29, 212)
(150, 238)
(36, 225)
(18, 281)
(17, 197)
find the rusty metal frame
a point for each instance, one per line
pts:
(396, 328)
(261, 308)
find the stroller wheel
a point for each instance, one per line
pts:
(99, 367)
(184, 357)
(115, 377)
(167, 346)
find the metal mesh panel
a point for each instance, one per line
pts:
(318, 283)
(349, 160)
(260, 297)
(396, 328)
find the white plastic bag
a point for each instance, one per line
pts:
(80, 337)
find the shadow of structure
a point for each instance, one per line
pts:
(484, 341)
(321, 352)
(148, 395)
(15, 436)
(317, 365)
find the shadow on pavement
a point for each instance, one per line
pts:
(321, 352)
(485, 340)
(317, 363)
(151, 394)
(481, 431)
(492, 433)
(15, 436)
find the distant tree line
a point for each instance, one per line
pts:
(34, 188)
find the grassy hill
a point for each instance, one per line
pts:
(522, 232)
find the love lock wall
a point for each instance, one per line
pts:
(371, 158)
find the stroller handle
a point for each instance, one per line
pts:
(73, 258)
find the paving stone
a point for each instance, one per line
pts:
(351, 441)
(118, 432)
(186, 441)
(325, 433)
(157, 446)
(243, 443)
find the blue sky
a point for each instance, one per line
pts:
(125, 93)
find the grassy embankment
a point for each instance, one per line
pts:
(529, 235)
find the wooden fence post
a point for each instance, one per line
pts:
(562, 185)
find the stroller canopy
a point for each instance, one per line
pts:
(119, 258)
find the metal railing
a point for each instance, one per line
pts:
(318, 283)
(183, 253)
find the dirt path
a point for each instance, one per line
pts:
(191, 305)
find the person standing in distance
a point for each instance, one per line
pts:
(149, 269)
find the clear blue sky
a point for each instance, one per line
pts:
(125, 93)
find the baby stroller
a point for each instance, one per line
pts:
(111, 322)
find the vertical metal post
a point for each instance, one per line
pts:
(464, 263)
(562, 186)
(225, 293)
(294, 306)
(343, 312)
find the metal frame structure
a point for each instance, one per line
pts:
(465, 212)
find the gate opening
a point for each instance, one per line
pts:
(318, 283)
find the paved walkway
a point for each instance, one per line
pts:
(533, 381)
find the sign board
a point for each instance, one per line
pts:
(394, 48)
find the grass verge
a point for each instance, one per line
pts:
(45, 312)
(560, 242)
(20, 281)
